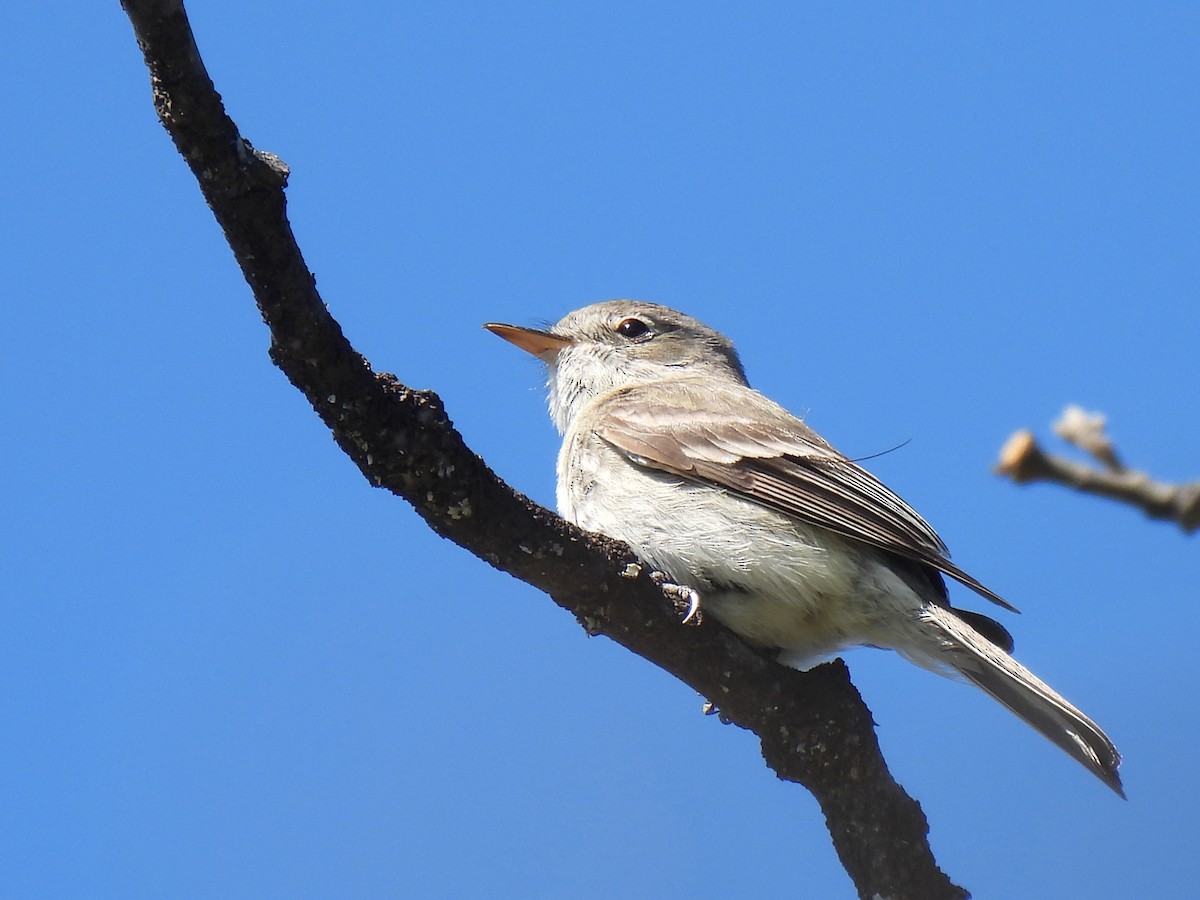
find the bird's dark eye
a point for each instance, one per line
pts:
(632, 328)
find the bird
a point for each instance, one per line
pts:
(786, 541)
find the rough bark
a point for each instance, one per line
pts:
(814, 727)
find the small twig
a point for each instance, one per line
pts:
(1022, 460)
(1086, 431)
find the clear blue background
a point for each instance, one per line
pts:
(229, 668)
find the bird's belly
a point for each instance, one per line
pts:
(772, 579)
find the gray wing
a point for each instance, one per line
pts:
(732, 436)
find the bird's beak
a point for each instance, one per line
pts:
(542, 344)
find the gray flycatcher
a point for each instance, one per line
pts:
(787, 542)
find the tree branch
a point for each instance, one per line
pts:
(813, 726)
(1024, 461)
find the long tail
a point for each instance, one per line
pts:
(985, 664)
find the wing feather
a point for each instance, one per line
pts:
(732, 436)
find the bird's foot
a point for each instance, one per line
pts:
(686, 600)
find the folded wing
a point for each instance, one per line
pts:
(757, 449)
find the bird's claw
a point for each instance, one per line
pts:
(685, 599)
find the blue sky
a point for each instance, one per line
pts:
(232, 669)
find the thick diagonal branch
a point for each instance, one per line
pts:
(814, 727)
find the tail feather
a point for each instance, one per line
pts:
(988, 666)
